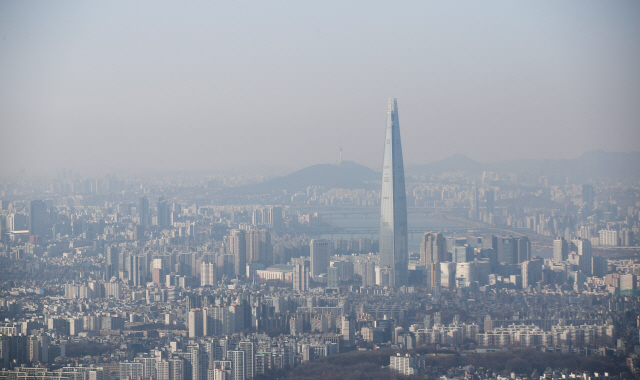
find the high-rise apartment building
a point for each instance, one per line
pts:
(237, 364)
(300, 278)
(258, 247)
(136, 278)
(608, 237)
(249, 350)
(238, 247)
(208, 274)
(196, 323)
(332, 278)
(393, 203)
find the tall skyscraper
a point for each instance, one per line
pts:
(37, 218)
(584, 253)
(319, 249)
(531, 272)
(208, 274)
(508, 250)
(258, 247)
(238, 365)
(238, 247)
(332, 278)
(300, 278)
(523, 249)
(164, 213)
(393, 203)
(196, 322)
(490, 196)
(433, 248)
(476, 203)
(588, 196)
(560, 250)
(249, 350)
(113, 262)
(143, 212)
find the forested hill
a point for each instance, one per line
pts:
(374, 364)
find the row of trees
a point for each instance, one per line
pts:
(370, 364)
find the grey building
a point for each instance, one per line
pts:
(393, 203)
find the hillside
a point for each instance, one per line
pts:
(348, 175)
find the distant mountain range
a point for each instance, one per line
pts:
(347, 175)
(594, 165)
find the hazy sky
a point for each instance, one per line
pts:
(198, 85)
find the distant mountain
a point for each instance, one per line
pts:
(594, 165)
(455, 163)
(348, 175)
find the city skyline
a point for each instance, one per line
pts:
(224, 283)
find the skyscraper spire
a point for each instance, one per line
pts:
(393, 204)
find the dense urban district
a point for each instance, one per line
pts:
(484, 275)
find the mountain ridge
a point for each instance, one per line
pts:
(596, 164)
(347, 174)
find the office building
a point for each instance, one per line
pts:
(476, 203)
(393, 203)
(462, 254)
(465, 273)
(447, 274)
(164, 213)
(37, 218)
(560, 250)
(490, 197)
(531, 272)
(507, 250)
(584, 253)
(320, 251)
(433, 248)
(143, 212)
(588, 196)
(523, 249)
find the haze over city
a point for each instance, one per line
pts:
(184, 86)
(331, 190)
